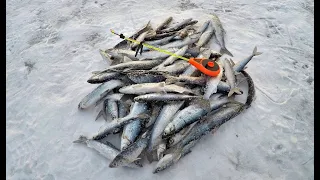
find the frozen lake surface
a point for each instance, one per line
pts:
(53, 46)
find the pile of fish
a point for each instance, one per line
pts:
(159, 105)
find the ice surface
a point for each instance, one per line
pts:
(53, 46)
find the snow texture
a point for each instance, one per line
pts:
(53, 46)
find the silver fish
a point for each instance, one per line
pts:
(212, 120)
(112, 107)
(131, 130)
(192, 114)
(176, 138)
(201, 80)
(176, 68)
(163, 97)
(180, 43)
(131, 153)
(137, 112)
(204, 26)
(98, 93)
(145, 88)
(130, 133)
(123, 111)
(162, 121)
(179, 25)
(121, 53)
(171, 59)
(212, 84)
(142, 76)
(155, 36)
(108, 151)
(206, 36)
(134, 65)
(220, 32)
(167, 161)
(241, 64)
(163, 24)
(103, 77)
(231, 78)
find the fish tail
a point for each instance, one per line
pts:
(235, 90)
(224, 50)
(99, 115)
(255, 53)
(82, 140)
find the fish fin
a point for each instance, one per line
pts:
(82, 139)
(231, 62)
(224, 50)
(235, 90)
(99, 101)
(116, 130)
(99, 115)
(137, 159)
(126, 59)
(255, 53)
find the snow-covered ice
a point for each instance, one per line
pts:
(53, 46)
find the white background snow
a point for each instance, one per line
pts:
(52, 48)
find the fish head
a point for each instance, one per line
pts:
(171, 141)
(117, 161)
(164, 163)
(168, 130)
(125, 142)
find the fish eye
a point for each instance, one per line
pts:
(164, 133)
